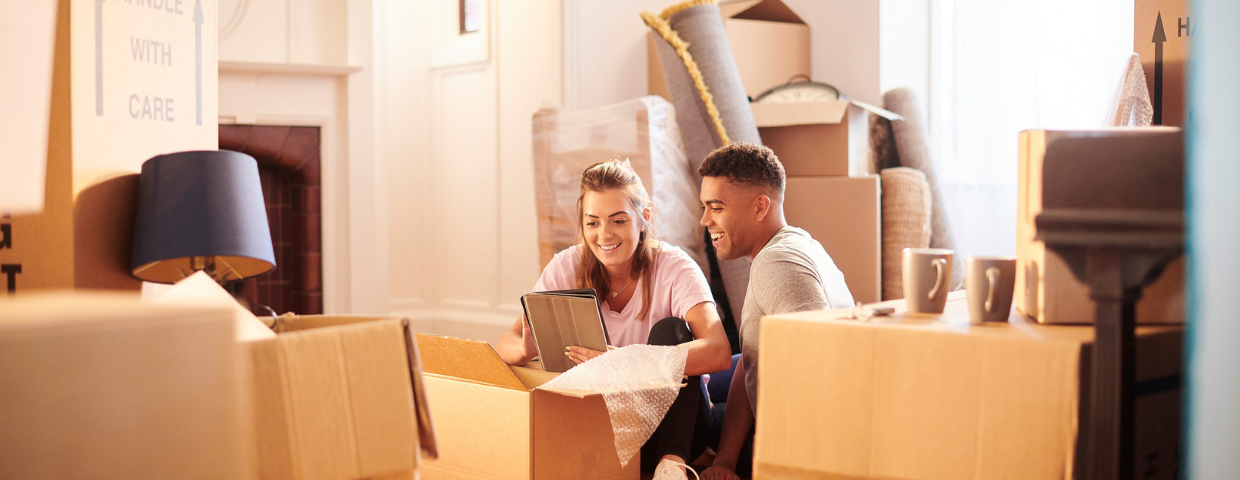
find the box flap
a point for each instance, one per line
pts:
(467, 359)
(767, 114)
(768, 10)
(532, 375)
(380, 394)
(291, 322)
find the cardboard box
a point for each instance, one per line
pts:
(1162, 34)
(114, 104)
(493, 423)
(932, 397)
(103, 387)
(816, 138)
(339, 397)
(1046, 289)
(845, 215)
(768, 40)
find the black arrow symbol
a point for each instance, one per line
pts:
(198, 57)
(1159, 38)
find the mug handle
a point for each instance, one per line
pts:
(940, 267)
(992, 278)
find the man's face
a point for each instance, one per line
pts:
(730, 214)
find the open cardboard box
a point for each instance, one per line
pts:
(1046, 289)
(339, 397)
(933, 397)
(826, 138)
(768, 40)
(99, 386)
(494, 423)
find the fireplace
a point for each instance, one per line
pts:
(289, 166)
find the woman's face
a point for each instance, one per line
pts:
(611, 226)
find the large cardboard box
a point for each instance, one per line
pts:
(932, 397)
(845, 215)
(103, 387)
(1046, 289)
(1162, 32)
(339, 397)
(816, 138)
(768, 40)
(492, 422)
(130, 80)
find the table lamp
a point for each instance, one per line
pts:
(201, 210)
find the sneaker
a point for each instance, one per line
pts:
(670, 470)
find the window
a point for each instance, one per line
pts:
(1002, 66)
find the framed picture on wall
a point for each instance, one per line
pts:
(471, 16)
(462, 33)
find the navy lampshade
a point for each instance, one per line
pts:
(201, 204)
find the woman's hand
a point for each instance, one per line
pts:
(527, 336)
(516, 346)
(581, 354)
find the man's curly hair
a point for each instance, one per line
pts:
(746, 164)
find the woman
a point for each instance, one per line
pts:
(619, 257)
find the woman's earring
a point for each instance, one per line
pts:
(641, 237)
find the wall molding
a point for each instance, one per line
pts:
(287, 68)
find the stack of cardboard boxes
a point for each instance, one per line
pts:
(824, 146)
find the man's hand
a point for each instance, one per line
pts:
(718, 472)
(581, 354)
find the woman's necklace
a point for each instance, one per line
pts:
(616, 293)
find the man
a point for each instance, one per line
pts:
(742, 196)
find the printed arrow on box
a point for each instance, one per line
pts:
(1160, 37)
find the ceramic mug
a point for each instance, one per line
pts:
(927, 277)
(989, 281)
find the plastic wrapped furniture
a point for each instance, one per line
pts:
(642, 130)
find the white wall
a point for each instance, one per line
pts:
(457, 139)
(904, 47)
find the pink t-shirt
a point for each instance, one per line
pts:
(678, 285)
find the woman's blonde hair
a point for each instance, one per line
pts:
(600, 178)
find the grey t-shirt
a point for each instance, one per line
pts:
(792, 273)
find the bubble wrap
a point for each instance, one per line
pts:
(638, 383)
(1131, 106)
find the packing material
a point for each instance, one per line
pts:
(932, 397)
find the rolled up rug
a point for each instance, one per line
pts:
(914, 151)
(711, 107)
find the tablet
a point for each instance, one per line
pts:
(563, 318)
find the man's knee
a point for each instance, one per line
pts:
(670, 331)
